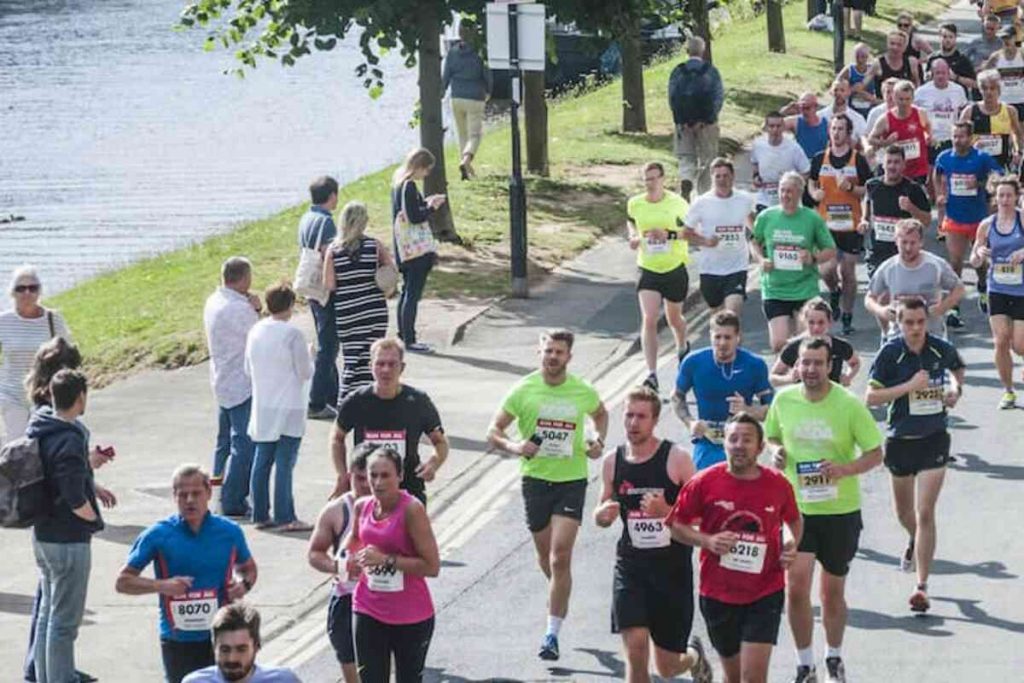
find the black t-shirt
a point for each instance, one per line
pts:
(398, 422)
(885, 199)
(959, 64)
(841, 352)
(863, 170)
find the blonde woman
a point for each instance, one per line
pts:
(407, 200)
(360, 310)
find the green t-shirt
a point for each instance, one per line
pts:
(831, 429)
(558, 415)
(781, 235)
(667, 214)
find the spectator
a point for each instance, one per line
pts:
(316, 231)
(236, 642)
(278, 364)
(861, 74)
(23, 330)
(695, 94)
(982, 47)
(61, 538)
(470, 81)
(361, 312)
(415, 258)
(230, 313)
(853, 17)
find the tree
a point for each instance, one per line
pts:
(776, 29)
(288, 31)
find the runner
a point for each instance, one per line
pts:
(840, 91)
(652, 593)
(942, 101)
(719, 222)
(961, 185)
(771, 155)
(790, 242)
(817, 319)
(1001, 242)
(327, 554)
(913, 273)
(982, 47)
(895, 63)
(962, 68)
(815, 429)
(916, 45)
(995, 126)
(655, 219)
(906, 126)
(390, 413)
(741, 509)
(550, 407)
(877, 112)
(860, 75)
(725, 379)
(837, 183)
(910, 374)
(200, 563)
(809, 129)
(1009, 62)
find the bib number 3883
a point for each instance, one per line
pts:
(194, 610)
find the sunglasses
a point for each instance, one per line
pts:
(903, 25)
(26, 288)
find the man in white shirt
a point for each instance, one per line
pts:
(230, 313)
(236, 642)
(942, 101)
(771, 155)
(841, 105)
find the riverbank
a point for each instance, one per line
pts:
(150, 314)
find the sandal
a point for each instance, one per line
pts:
(298, 526)
(265, 525)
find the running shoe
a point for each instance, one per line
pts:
(806, 674)
(953, 318)
(325, 413)
(419, 347)
(1008, 401)
(983, 302)
(907, 561)
(833, 300)
(848, 324)
(701, 671)
(549, 647)
(919, 601)
(652, 382)
(835, 671)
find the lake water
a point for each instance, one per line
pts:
(120, 138)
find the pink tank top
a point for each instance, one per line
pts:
(390, 597)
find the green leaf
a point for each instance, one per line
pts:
(210, 44)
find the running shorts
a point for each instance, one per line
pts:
(715, 288)
(339, 627)
(1006, 304)
(656, 594)
(729, 626)
(672, 285)
(779, 308)
(848, 242)
(935, 150)
(543, 499)
(832, 539)
(906, 457)
(968, 230)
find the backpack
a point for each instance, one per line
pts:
(690, 93)
(23, 495)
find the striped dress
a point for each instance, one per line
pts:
(361, 312)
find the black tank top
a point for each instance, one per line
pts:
(889, 72)
(644, 536)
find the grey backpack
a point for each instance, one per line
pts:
(23, 496)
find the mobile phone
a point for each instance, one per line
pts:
(107, 451)
(536, 440)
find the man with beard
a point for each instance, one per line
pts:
(841, 106)
(551, 407)
(652, 593)
(236, 641)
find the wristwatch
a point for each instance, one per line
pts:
(247, 584)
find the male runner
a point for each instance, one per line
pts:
(390, 413)
(790, 242)
(655, 220)
(200, 563)
(910, 374)
(652, 592)
(961, 66)
(808, 128)
(887, 200)
(773, 154)
(942, 101)
(996, 127)
(836, 183)
(720, 222)
(840, 91)
(907, 126)
(725, 380)
(816, 428)
(550, 407)
(741, 509)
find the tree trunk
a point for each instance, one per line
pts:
(776, 31)
(535, 107)
(812, 9)
(431, 121)
(634, 113)
(702, 25)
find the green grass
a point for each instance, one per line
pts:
(150, 314)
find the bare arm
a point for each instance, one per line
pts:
(852, 368)
(607, 509)
(321, 543)
(600, 419)
(498, 439)
(782, 375)
(328, 275)
(949, 301)
(427, 561)
(877, 308)
(339, 457)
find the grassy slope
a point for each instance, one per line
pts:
(150, 314)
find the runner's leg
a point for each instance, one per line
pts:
(734, 303)
(1018, 337)
(754, 658)
(956, 249)
(669, 664)
(780, 329)
(676, 322)
(650, 310)
(542, 543)
(848, 281)
(1002, 331)
(833, 608)
(732, 667)
(799, 577)
(829, 272)
(903, 503)
(563, 537)
(929, 485)
(636, 643)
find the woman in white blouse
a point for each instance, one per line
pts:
(22, 331)
(278, 361)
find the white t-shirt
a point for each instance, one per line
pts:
(727, 218)
(860, 126)
(943, 107)
(277, 360)
(774, 160)
(877, 112)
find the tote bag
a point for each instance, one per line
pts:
(413, 239)
(309, 275)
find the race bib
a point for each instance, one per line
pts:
(1008, 274)
(942, 125)
(715, 433)
(963, 185)
(1013, 87)
(557, 432)
(840, 217)
(194, 610)
(653, 246)
(813, 485)
(746, 555)
(730, 236)
(787, 257)
(387, 438)
(647, 532)
(926, 401)
(911, 148)
(885, 228)
(990, 144)
(771, 193)
(383, 579)
(860, 102)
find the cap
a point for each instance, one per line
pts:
(1008, 32)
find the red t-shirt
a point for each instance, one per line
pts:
(753, 508)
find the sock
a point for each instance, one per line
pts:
(805, 656)
(554, 625)
(834, 652)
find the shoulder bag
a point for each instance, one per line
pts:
(412, 239)
(309, 274)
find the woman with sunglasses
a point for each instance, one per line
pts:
(23, 330)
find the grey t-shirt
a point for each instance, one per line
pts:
(211, 674)
(927, 280)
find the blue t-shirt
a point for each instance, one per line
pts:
(310, 228)
(919, 413)
(712, 384)
(211, 674)
(965, 178)
(209, 557)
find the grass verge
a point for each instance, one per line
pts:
(150, 314)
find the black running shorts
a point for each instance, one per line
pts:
(673, 285)
(715, 288)
(339, 628)
(779, 308)
(543, 499)
(832, 539)
(848, 241)
(1005, 304)
(729, 626)
(656, 595)
(907, 457)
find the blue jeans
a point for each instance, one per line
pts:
(281, 455)
(324, 388)
(414, 280)
(233, 440)
(64, 569)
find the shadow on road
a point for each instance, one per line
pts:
(975, 464)
(975, 615)
(16, 603)
(614, 667)
(986, 570)
(877, 621)
(124, 534)
(431, 675)
(487, 364)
